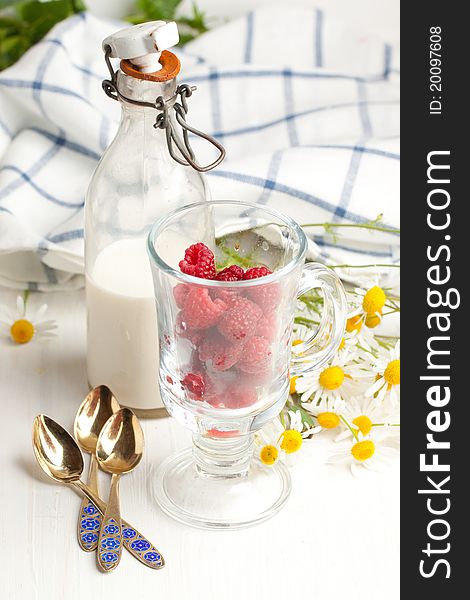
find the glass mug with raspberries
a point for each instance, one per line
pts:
(227, 276)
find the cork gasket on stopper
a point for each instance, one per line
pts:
(170, 68)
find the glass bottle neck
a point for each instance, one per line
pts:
(144, 90)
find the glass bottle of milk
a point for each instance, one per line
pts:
(136, 182)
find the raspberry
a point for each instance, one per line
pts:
(256, 272)
(240, 320)
(222, 354)
(194, 385)
(267, 326)
(221, 433)
(232, 273)
(240, 396)
(180, 292)
(199, 262)
(195, 336)
(255, 356)
(266, 296)
(200, 311)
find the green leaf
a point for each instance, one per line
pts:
(54, 11)
(196, 21)
(78, 6)
(5, 3)
(159, 9)
(10, 22)
(11, 49)
(41, 27)
(185, 38)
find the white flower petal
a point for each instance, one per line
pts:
(377, 385)
(41, 312)
(20, 307)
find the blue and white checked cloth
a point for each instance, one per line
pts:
(306, 108)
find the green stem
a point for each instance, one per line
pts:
(305, 321)
(385, 424)
(26, 294)
(349, 427)
(365, 350)
(357, 225)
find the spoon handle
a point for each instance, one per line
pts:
(88, 529)
(110, 540)
(133, 541)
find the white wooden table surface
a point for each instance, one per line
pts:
(336, 538)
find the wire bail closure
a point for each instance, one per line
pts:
(163, 120)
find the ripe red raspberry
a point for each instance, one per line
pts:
(240, 396)
(267, 326)
(200, 311)
(256, 272)
(195, 336)
(194, 385)
(222, 354)
(239, 322)
(180, 292)
(256, 355)
(232, 273)
(199, 262)
(266, 296)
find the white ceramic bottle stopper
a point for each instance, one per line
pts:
(143, 44)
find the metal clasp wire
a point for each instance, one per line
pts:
(163, 120)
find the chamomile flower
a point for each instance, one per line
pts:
(387, 383)
(328, 417)
(274, 442)
(332, 384)
(366, 452)
(362, 415)
(23, 328)
(295, 422)
(368, 310)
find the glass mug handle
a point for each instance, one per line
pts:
(322, 345)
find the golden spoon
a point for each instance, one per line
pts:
(59, 456)
(99, 404)
(119, 450)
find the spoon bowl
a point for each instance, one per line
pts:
(121, 443)
(99, 404)
(56, 451)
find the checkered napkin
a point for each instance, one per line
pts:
(306, 108)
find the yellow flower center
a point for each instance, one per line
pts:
(363, 450)
(331, 378)
(342, 344)
(373, 320)
(374, 300)
(269, 454)
(291, 441)
(354, 324)
(297, 342)
(392, 373)
(292, 384)
(328, 420)
(363, 423)
(22, 331)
